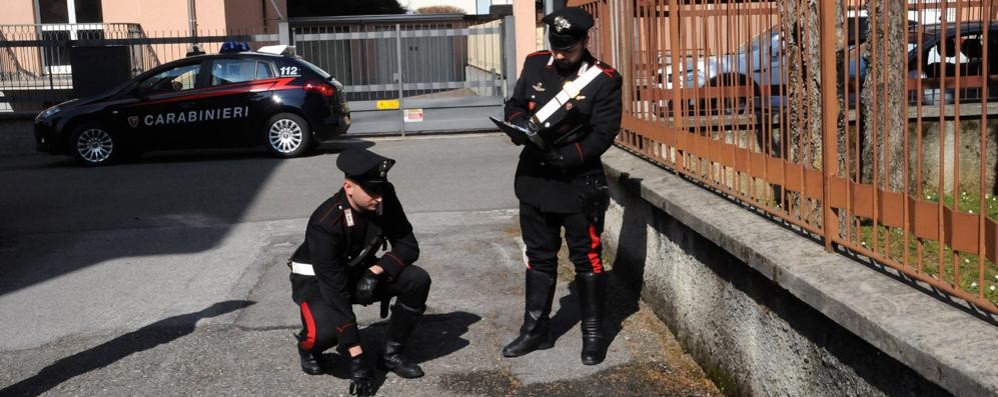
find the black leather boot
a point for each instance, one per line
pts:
(400, 326)
(535, 334)
(592, 297)
(310, 363)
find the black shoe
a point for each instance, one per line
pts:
(592, 296)
(535, 334)
(526, 343)
(400, 326)
(310, 364)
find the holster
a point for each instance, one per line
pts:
(595, 198)
(385, 304)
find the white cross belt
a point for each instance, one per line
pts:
(569, 92)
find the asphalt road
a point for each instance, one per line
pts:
(165, 276)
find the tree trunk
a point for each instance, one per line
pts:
(884, 104)
(802, 139)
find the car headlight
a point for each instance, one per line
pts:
(49, 112)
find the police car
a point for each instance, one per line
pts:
(234, 98)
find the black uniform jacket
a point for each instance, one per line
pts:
(594, 115)
(336, 235)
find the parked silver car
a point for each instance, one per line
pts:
(759, 63)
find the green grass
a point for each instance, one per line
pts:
(970, 203)
(891, 241)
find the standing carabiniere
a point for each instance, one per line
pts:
(573, 101)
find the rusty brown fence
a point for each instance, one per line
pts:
(872, 125)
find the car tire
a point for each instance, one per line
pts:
(287, 135)
(94, 145)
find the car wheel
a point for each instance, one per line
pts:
(288, 135)
(94, 145)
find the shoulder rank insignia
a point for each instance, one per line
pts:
(539, 87)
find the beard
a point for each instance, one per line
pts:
(565, 65)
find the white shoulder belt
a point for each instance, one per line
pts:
(569, 92)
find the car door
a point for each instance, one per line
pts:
(234, 102)
(159, 116)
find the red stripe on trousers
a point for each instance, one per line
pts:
(593, 256)
(309, 325)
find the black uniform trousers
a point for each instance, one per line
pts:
(542, 236)
(412, 286)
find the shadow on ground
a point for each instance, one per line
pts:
(436, 336)
(194, 189)
(145, 338)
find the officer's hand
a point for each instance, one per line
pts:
(360, 377)
(551, 157)
(366, 286)
(555, 159)
(524, 124)
(565, 157)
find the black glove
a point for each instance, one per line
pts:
(552, 157)
(524, 124)
(360, 377)
(366, 286)
(555, 159)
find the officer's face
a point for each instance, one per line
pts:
(570, 56)
(359, 198)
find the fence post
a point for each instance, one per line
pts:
(398, 55)
(829, 118)
(509, 54)
(677, 67)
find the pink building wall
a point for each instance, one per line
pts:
(171, 15)
(17, 12)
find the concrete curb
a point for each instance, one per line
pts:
(940, 341)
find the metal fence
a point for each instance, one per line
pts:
(402, 73)
(413, 72)
(36, 61)
(872, 125)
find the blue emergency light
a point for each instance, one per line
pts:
(233, 46)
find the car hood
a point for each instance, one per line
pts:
(77, 102)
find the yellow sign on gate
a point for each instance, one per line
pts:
(388, 104)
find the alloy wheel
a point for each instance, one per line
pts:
(285, 136)
(95, 145)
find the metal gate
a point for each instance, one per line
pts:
(414, 73)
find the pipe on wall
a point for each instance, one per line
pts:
(192, 18)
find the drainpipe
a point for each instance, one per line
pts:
(192, 18)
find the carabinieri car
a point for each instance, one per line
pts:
(222, 100)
